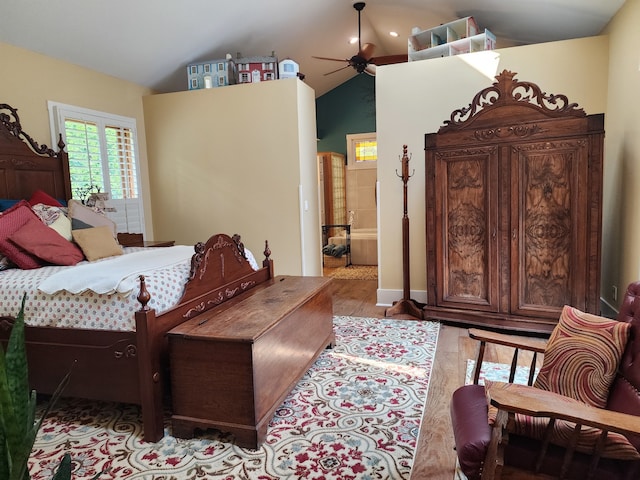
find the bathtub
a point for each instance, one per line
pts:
(364, 245)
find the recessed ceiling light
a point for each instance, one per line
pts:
(393, 34)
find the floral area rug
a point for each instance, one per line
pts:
(497, 372)
(353, 272)
(355, 415)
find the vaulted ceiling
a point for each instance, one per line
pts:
(150, 42)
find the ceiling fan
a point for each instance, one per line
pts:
(364, 61)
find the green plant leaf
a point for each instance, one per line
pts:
(16, 409)
(4, 455)
(64, 469)
(18, 426)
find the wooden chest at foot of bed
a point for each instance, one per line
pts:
(233, 366)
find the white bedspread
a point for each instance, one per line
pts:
(114, 275)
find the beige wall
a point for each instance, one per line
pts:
(239, 159)
(417, 97)
(29, 80)
(621, 220)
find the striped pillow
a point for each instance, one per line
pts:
(582, 356)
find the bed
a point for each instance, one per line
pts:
(128, 366)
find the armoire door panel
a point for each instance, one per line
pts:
(548, 236)
(466, 202)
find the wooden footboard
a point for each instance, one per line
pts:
(106, 360)
(219, 273)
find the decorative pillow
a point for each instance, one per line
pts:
(616, 446)
(45, 243)
(54, 217)
(63, 226)
(79, 212)
(79, 224)
(7, 204)
(97, 242)
(40, 196)
(582, 356)
(11, 221)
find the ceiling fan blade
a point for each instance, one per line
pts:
(334, 71)
(333, 59)
(389, 59)
(367, 50)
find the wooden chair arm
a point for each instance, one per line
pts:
(523, 343)
(541, 403)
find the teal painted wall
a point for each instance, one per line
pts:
(348, 108)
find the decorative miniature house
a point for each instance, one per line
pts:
(287, 68)
(257, 69)
(212, 73)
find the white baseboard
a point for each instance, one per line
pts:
(387, 297)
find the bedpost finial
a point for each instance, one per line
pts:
(143, 295)
(267, 251)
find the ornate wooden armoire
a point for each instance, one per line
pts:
(514, 209)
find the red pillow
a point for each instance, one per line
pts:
(45, 243)
(11, 221)
(40, 196)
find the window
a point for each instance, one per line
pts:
(221, 80)
(207, 68)
(362, 150)
(194, 83)
(221, 67)
(103, 155)
(268, 76)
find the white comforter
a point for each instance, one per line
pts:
(117, 275)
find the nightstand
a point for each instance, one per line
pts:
(137, 240)
(158, 243)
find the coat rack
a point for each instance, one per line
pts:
(406, 305)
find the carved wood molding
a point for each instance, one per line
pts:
(519, 131)
(444, 154)
(11, 122)
(221, 296)
(506, 91)
(129, 351)
(200, 259)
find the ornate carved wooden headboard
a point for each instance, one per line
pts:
(26, 166)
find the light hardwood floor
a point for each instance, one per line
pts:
(435, 456)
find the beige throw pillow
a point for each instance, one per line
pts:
(97, 242)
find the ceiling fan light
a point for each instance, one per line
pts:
(393, 34)
(353, 40)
